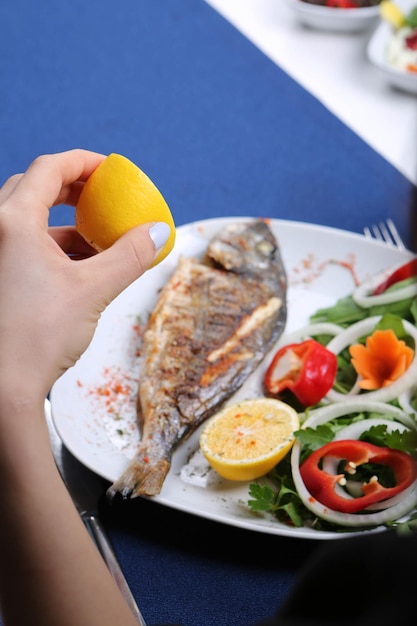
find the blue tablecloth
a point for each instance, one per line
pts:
(172, 85)
(222, 131)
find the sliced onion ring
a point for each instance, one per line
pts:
(363, 294)
(311, 330)
(357, 405)
(404, 400)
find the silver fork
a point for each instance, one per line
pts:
(386, 232)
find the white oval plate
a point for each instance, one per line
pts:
(376, 52)
(93, 403)
(328, 18)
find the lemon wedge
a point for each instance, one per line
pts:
(244, 441)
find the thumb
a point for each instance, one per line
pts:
(128, 258)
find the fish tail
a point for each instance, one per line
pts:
(140, 479)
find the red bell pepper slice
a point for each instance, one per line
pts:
(408, 270)
(307, 369)
(322, 485)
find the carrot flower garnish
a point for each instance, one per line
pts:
(382, 360)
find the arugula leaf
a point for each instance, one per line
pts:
(402, 308)
(346, 374)
(391, 321)
(346, 312)
(413, 311)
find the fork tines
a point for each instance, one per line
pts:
(386, 232)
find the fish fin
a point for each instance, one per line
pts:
(140, 479)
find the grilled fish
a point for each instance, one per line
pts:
(214, 322)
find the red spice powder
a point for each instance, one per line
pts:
(115, 385)
(310, 269)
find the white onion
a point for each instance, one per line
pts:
(357, 405)
(384, 394)
(356, 429)
(362, 296)
(311, 330)
(404, 400)
(378, 506)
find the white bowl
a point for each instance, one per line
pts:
(329, 18)
(376, 51)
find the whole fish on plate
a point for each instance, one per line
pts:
(214, 322)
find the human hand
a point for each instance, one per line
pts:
(53, 285)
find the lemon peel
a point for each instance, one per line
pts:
(117, 196)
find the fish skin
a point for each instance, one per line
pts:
(214, 322)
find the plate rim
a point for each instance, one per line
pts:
(275, 527)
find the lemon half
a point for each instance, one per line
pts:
(117, 196)
(246, 440)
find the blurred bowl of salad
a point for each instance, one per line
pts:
(392, 48)
(337, 15)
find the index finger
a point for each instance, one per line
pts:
(50, 179)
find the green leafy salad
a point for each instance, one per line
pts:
(353, 464)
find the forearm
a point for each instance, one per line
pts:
(53, 289)
(46, 551)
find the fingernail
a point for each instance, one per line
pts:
(159, 234)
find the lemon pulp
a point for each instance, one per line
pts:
(246, 440)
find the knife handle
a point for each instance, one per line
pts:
(104, 546)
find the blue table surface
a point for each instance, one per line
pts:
(222, 131)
